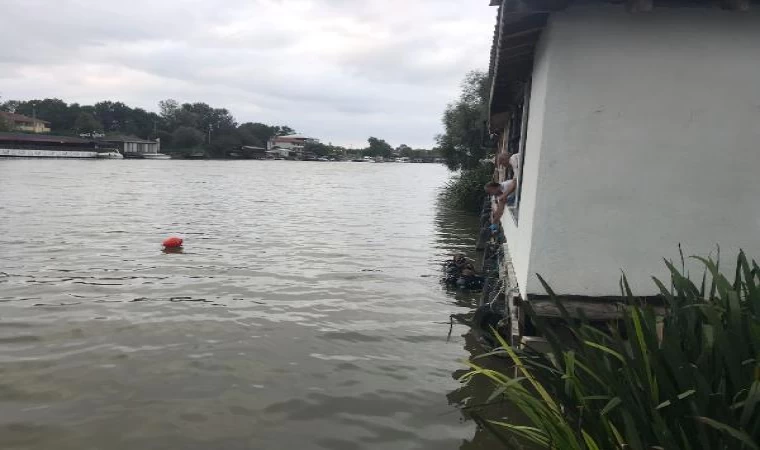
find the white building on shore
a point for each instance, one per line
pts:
(638, 126)
(294, 143)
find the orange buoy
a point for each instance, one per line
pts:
(172, 242)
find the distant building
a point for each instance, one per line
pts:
(25, 145)
(24, 123)
(253, 152)
(279, 153)
(294, 142)
(133, 146)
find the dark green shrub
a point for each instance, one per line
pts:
(465, 190)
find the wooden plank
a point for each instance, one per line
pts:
(600, 310)
(593, 310)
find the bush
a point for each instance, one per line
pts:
(465, 190)
(689, 380)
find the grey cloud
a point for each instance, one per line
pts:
(338, 69)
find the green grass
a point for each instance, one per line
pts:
(687, 380)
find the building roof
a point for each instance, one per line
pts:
(41, 138)
(21, 118)
(293, 136)
(519, 24)
(122, 138)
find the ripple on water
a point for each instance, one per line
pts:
(289, 320)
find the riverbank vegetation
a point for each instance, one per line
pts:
(465, 189)
(465, 143)
(185, 129)
(688, 379)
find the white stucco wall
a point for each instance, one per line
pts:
(644, 133)
(519, 234)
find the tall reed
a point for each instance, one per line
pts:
(688, 379)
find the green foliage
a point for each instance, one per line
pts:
(404, 150)
(87, 123)
(55, 111)
(465, 190)
(689, 380)
(258, 134)
(187, 138)
(5, 125)
(378, 147)
(461, 144)
(317, 148)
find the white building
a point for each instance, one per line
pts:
(133, 146)
(294, 142)
(637, 131)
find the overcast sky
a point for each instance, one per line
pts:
(340, 70)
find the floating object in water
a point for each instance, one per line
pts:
(172, 242)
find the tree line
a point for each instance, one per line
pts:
(186, 127)
(183, 128)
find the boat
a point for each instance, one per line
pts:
(111, 154)
(156, 156)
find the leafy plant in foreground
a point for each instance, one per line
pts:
(685, 378)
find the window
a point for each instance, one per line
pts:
(517, 134)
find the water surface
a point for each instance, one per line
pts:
(305, 311)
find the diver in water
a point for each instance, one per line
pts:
(461, 272)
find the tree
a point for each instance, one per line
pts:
(87, 123)
(378, 147)
(224, 144)
(284, 130)
(317, 148)
(9, 106)
(53, 110)
(168, 108)
(404, 150)
(258, 134)
(186, 138)
(5, 125)
(461, 144)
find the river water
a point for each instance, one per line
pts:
(305, 311)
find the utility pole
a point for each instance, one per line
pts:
(209, 134)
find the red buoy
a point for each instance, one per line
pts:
(172, 242)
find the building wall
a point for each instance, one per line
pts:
(138, 147)
(643, 134)
(35, 127)
(519, 234)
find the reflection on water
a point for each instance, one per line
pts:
(458, 232)
(305, 310)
